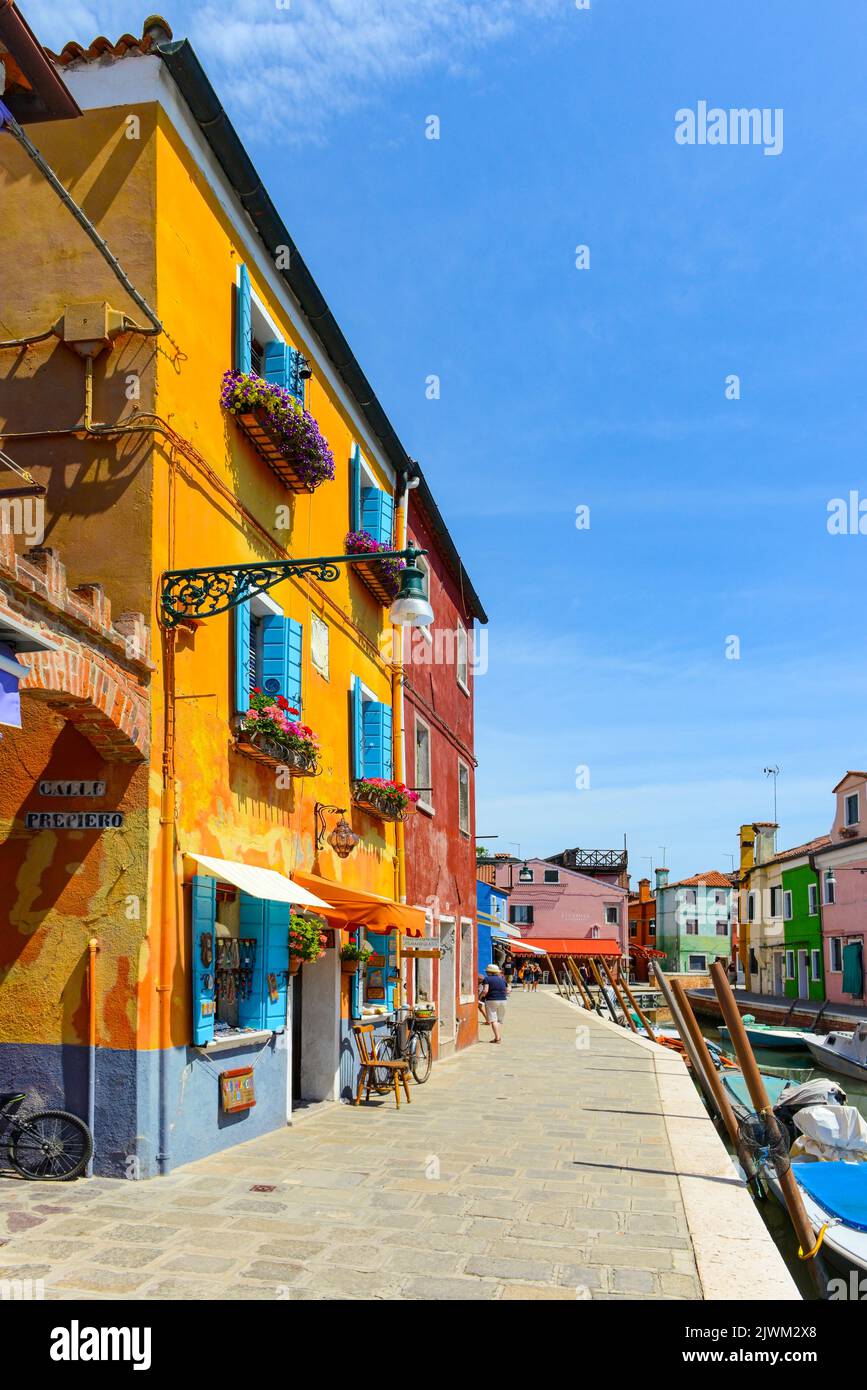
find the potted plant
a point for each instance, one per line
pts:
(306, 940)
(386, 799)
(272, 726)
(284, 433)
(382, 578)
(352, 956)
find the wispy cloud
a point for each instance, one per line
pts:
(300, 65)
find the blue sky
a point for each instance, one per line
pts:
(603, 387)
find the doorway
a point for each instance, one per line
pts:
(803, 976)
(297, 1013)
(448, 996)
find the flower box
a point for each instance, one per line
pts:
(299, 762)
(382, 577)
(285, 435)
(387, 800)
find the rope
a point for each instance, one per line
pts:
(811, 1254)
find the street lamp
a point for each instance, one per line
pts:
(191, 595)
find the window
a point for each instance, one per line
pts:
(829, 884)
(462, 665)
(423, 765)
(371, 734)
(521, 914)
(319, 645)
(240, 962)
(790, 965)
(776, 900)
(722, 927)
(692, 926)
(816, 964)
(651, 929)
(751, 907)
(851, 814)
(835, 954)
(612, 915)
(371, 509)
(697, 963)
(468, 961)
(787, 905)
(633, 929)
(463, 798)
(259, 346)
(552, 876)
(594, 932)
(813, 895)
(268, 648)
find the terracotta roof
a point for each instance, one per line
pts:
(845, 775)
(797, 851)
(154, 30)
(712, 879)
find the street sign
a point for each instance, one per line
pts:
(73, 787)
(73, 820)
(419, 943)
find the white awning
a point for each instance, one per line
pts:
(260, 883)
(500, 934)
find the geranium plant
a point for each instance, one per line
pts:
(298, 436)
(361, 952)
(275, 719)
(362, 543)
(307, 937)
(393, 797)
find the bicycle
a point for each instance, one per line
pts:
(50, 1145)
(409, 1038)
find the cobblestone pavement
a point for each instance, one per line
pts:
(535, 1170)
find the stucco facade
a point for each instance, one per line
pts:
(842, 870)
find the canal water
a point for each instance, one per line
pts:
(795, 1066)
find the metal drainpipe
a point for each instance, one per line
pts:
(92, 949)
(398, 730)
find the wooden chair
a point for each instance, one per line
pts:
(369, 1064)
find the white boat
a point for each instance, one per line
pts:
(842, 1052)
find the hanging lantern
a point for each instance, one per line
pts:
(343, 839)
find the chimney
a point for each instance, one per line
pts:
(765, 841)
(661, 878)
(644, 890)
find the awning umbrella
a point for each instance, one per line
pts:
(352, 907)
(261, 883)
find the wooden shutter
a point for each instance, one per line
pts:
(243, 322)
(203, 916)
(281, 657)
(243, 640)
(356, 725)
(376, 722)
(251, 1009)
(276, 965)
(377, 514)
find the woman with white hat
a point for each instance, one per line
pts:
(494, 993)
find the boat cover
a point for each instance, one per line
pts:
(831, 1132)
(839, 1188)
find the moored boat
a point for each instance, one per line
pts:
(770, 1035)
(842, 1052)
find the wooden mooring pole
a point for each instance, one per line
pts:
(764, 1109)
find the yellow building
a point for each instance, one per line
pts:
(147, 471)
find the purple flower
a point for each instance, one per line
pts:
(300, 439)
(361, 542)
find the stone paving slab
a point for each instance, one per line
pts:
(540, 1169)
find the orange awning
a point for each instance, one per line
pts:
(352, 907)
(560, 946)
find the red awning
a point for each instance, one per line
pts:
(561, 946)
(646, 953)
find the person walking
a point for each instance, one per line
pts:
(527, 977)
(495, 993)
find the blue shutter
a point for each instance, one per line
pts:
(355, 980)
(276, 963)
(357, 728)
(377, 514)
(275, 363)
(281, 657)
(242, 658)
(243, 323)
(376, 720)
(251, 1009)
(203, 917)
(355, 489)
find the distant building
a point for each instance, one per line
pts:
(694, 920)
(642, 927)
(552, 904)
(492, 906)
(780, 931)
(609, 865)
(842, 868)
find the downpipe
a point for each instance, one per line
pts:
(92, 951)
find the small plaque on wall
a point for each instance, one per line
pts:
(73, 787)
(237, 1090)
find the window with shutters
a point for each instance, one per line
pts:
(259, 345)
(468, 962)
(521, 914)
(240, 963)
(423, 766)
(463, 798)
(462, 665)
(371, 507)
(371, 735)
(268, 652)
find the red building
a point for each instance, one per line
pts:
(439, 665)
(642, 927)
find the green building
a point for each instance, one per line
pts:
(802, 934)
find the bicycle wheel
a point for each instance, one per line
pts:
(383, 1077)
(420, 1057)
(51, 1145)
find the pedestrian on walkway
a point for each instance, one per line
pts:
(537, 975)
(527, 977)
(495, 993)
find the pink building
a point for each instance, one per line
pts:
(842, 872)
(548, 902)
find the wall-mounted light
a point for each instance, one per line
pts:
(525, 873)
(342, 838)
